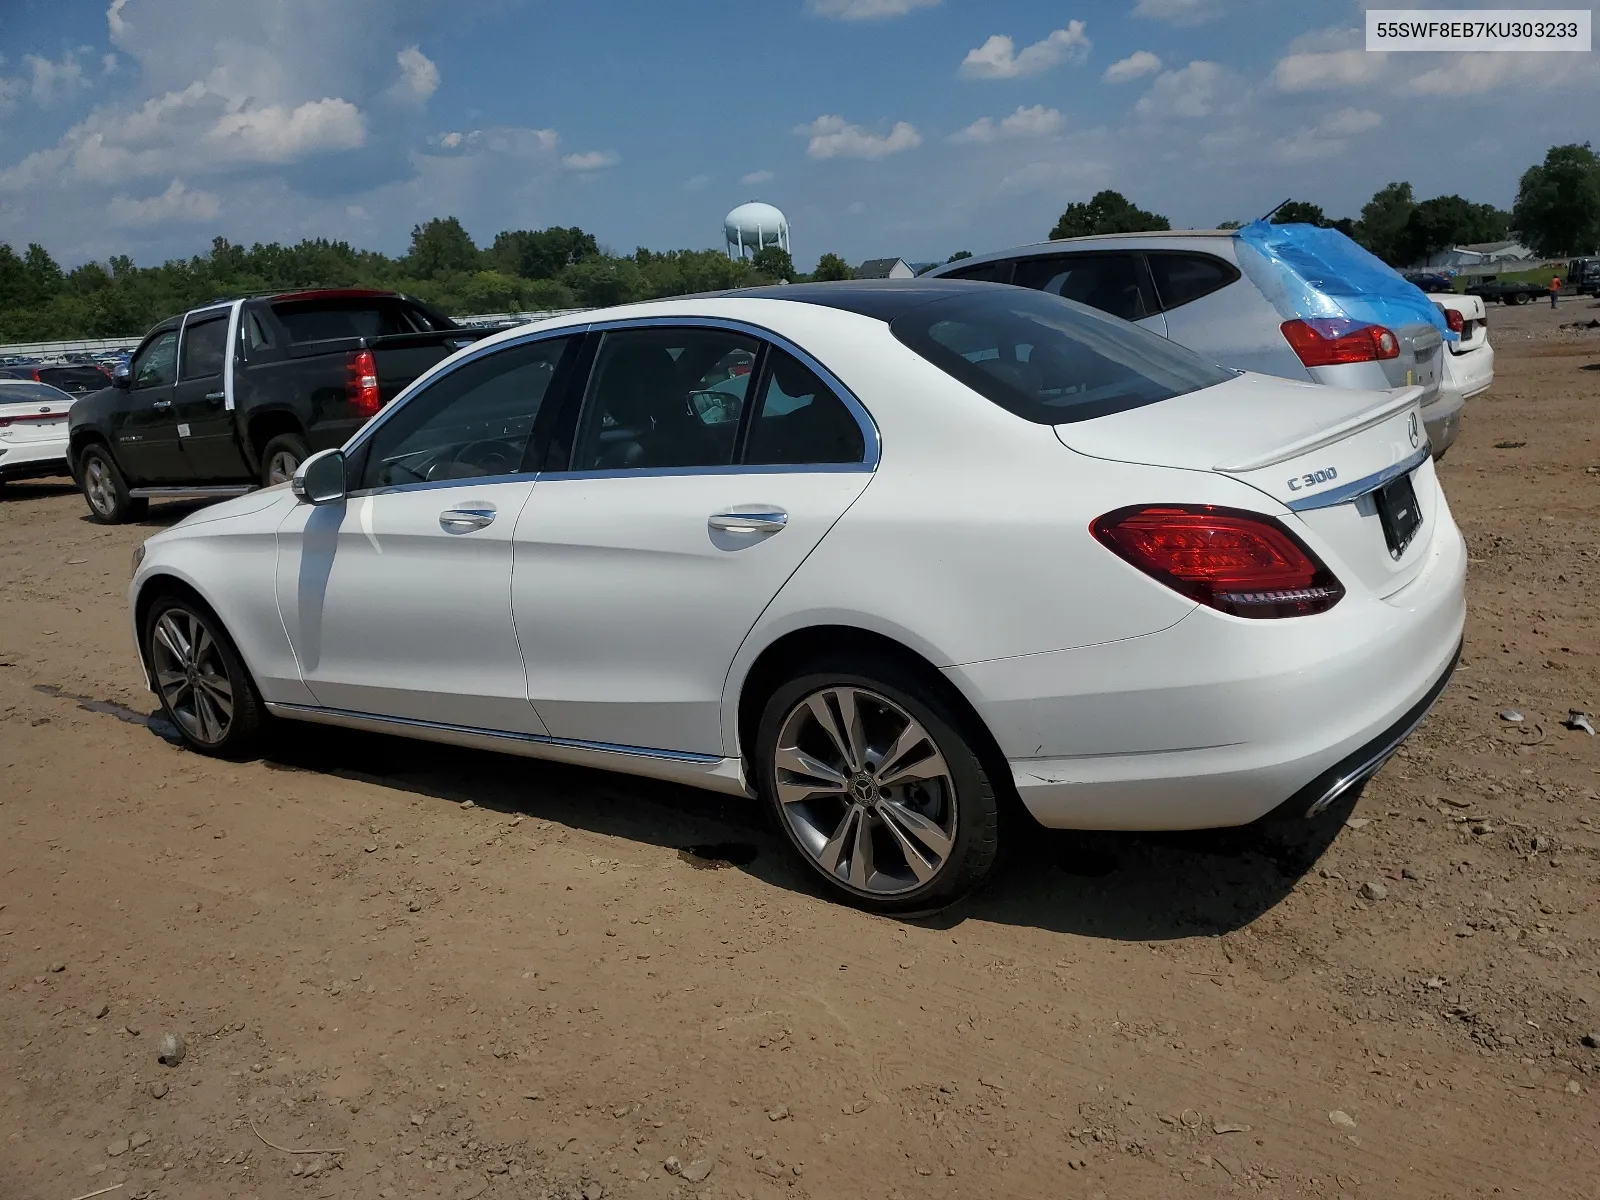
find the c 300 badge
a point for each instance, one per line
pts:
(1316, 479)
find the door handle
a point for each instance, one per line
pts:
(752, 519)
(215, 396)
(162, 405)
(465, 520)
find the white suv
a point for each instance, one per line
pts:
(1288, 300)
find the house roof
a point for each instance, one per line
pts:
(1490, 247)
(877, 268)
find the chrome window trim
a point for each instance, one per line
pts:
(870, 438)
(1361, 487)
(314, 711)
(435, 485)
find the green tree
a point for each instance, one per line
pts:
(603, 281)
(1230, 225)
(441, 247)
(543, 253)
(1383, 220)
(959, 255)
(1558, 202)
(773, 262)
(1299, 212)
(1446, 221)
(830, 267)
(1106, 212)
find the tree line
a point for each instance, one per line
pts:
(1556, 214)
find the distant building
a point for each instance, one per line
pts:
(1479, 254)
(885, 268)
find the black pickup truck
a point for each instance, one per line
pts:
(1490, 289)
(234, 395)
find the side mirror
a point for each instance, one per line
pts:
(122, 377)
(320, 479)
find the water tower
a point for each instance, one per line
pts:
(751, 226)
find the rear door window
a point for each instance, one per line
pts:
(1049, 360)
(205, 345)
(1112, 283)
(801, 420)
(1181, 277)
(992, 272)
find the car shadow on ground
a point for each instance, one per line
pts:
(1138, 887)
(35, 489)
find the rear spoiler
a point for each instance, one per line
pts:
(1395, 400)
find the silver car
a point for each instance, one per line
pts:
(1201, 288)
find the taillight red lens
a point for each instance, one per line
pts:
(1330, 341)
(361, 384)
(1233, 561)
(1454, 320)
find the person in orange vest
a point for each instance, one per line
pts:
(1555, 289)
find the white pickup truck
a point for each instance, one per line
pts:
(1468, 363)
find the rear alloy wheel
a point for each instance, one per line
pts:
(204, 688)
(877, 790)
(106, 491)
(282, 457)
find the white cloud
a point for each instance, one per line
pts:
(1327, 70)
(697, 183)
(1328, 138)
(1179, 12)
(10, 89)
(1140, 62)
(998, 58)
(1035, 121)
(1196, 90)
(1474, 74)
(419, 77)
(834, 137)
(865, 10)
(52, 81)
(114, 18)
(177, 203)
(109, 64)
(756, 177)
(591, 160)
(279, 134)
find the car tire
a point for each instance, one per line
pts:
(883, 839)
(205, 690)
(281, 456)
(105, 490)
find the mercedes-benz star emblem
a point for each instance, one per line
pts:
(1414, 433)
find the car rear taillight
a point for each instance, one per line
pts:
(30, 418)
(1454, 320)
(1233, 561)
(1330, 341)
(361, 383)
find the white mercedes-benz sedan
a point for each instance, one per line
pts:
(890, 557)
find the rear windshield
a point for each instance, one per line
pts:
(349, 317)
(1049, 360)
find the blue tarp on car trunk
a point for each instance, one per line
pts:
(1307, 271)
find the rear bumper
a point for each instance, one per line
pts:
(1442, 419)
(1218, 721)
(29, 460)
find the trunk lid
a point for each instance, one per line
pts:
(36, 419)
(1323, 452)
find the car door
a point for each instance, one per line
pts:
(640, 569)
(398, 601)
(205, 426)
(1115, 282)
(145, 429)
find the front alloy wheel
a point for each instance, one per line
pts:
(192, 676)
(877, 785)
(204, 687)
(98, 490)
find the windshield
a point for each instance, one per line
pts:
(1050, 360)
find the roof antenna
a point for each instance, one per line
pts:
(1274, 212)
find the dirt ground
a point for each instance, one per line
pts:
(428, 973)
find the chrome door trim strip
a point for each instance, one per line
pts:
(1361, 487)
(341, 716)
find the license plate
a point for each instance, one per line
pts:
(1398, 514)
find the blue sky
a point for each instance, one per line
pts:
(881, 127)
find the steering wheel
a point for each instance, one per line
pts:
(490, 457)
